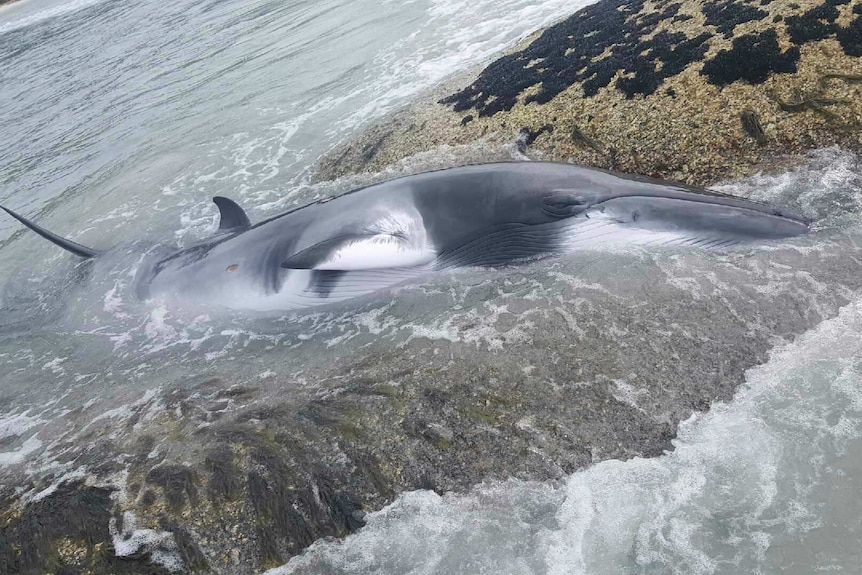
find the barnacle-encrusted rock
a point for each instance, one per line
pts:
(651, 86)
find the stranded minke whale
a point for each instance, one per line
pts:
(480, 215)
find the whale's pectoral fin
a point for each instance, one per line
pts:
(360, 252)
(68, 245)
(335, 285)
(313, 256)
(233, 217)
(566, 203)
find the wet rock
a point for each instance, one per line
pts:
(65, 532)
(439, 434)
(752, 127)
(598, 375)
(177, 483)
(658, 85)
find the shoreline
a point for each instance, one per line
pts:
(699, 117)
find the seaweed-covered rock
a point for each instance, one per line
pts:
(65, 531)
(657, 87)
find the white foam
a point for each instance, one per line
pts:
(160, 545)
(21, 454)
(55, 364)
(113, 301)
(144, 404)
(15, 425)
(74, 475)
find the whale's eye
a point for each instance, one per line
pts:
(232, 267)
(562, 204)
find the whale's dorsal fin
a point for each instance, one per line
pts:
(68, 245)
(232, 216)
(360, 252)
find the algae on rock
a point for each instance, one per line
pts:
(660, 88)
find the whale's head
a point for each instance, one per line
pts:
(650, 204)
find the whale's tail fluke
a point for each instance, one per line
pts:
(68, 245)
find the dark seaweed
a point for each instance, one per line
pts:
(816, 24)
(177, 482)
(596, 43)
(851, 37)
(225, 482)
(752, 58)
(29, 544)
(725, 16)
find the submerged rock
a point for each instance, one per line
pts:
(653, 87)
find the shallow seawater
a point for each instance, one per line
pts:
(766, 483)
(122, 120)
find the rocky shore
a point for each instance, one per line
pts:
(694, 91)
(538, 372)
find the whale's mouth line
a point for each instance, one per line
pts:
(733, 202)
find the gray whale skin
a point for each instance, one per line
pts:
(479, 215)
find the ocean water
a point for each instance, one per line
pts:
(121, 120)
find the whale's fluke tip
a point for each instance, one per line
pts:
(68, 245)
